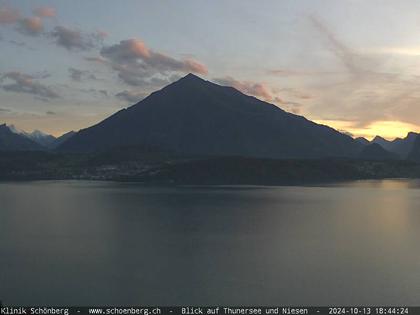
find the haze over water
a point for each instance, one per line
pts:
(94, 243)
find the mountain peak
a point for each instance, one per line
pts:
(379, 138)
(190, 79)
(412, 135)
(191, 76)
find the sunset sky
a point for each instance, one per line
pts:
(351, 64)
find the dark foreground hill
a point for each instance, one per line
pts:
(375, 151)
(196, 117)
(150, 166)
(414, 154)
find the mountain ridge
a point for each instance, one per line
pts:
(10, 141)
(195, 116)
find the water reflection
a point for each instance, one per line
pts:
(109, 243)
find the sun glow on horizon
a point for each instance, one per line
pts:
(386, 129)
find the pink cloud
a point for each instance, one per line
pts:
(136, 63)
(247, 87)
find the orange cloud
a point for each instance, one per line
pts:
(31, 26)
(136, 49)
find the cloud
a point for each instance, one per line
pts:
(137, 64)
(73, 39)
(24, 83)
(9, 15)
(44, 12)
(363, 91)
(17, 43)
(264, 92)
(294, 93)
(51, 113)
(341, 51)
(79, 75)
(252, 88)
(291, 73)
(76, 74)
(31, 26)
(96, 59)
(101, 35)
(5, 110)
(133, 50)
(131, 96)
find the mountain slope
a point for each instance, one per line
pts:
(401, 147)
(362, 141)
(386, 144)
(194, 116)
(37, 136)
(414, 154)
(61, 139)
(375, 151)
(10, 141)
(41, 138)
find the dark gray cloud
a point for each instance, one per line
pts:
(17, 43)
(42, 75)
(72, 39)
(76, 74)
(131, 96)
(50, 112)
(24, 83)
(138, 65)
(79, 75)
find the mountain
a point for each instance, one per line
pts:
(404, 146)
(196, 117)
(362, 141)
(45, 140)
(414, 154)
(382, 142)
(60, 140)
(401, 147)
(37, 136)
(10, 141)
(41, 138)
(375, 151)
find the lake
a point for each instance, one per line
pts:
(103, 243)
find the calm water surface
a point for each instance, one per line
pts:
(92, 243)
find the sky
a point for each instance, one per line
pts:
(350, 64)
